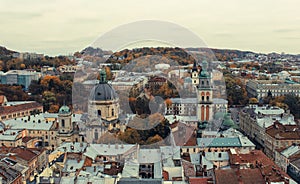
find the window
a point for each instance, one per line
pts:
(207, 98)
(202, 98)
(96, 134)
(99, 112)
(63, 123)
(112, 112)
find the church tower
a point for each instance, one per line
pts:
(195, 73)
(205, 94)
(65, 120)
(67, 130)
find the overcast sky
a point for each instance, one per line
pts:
(65, 26)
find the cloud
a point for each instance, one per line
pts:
(290, 38)
(284, 30)
(19, 15)
(224, 34)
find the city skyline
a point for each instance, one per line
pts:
(63, 27)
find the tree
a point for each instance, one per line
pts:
(293, 102)
(253, 101)
(168, 102)
(53, 108)
(22, 66)
(154, 139)
(48, 99)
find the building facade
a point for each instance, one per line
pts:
(263, 88)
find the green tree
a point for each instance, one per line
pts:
(48, 99)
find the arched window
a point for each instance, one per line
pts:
(207, 96)
(202, 98)
(63, 123)
(99, 112)
(112, 112)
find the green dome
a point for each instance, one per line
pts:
(228, 122)
(64, 110)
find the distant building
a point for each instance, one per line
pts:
(30, 56)
(128, 83)
(67, 69)
(263, 88)
(19, 77)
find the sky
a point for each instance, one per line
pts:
(56, 27)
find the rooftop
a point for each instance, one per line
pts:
(19, 106)
(291, 150)
(93, 150)
(283, 132)
(236, 176)
(259, 160)
(33, 122)
(219, 142)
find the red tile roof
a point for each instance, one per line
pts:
(259, 160)
(282, 132)
(237, 176)
(199, 180)
(26, 154)
(20, 107)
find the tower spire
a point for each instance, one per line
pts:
(195, 69)
(103, 76)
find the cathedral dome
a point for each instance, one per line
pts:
(103, 91)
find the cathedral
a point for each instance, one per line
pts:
(103, 110)
(202, 79)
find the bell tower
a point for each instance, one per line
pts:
(195, 74)
(205, 94)
(65, 120)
